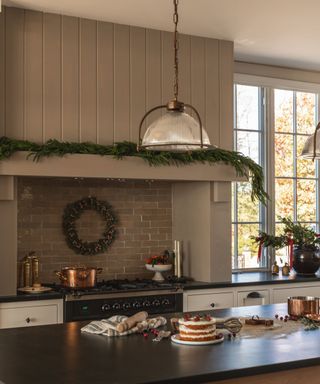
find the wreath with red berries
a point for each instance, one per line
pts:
(72, 213)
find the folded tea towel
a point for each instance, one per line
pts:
(108, 327)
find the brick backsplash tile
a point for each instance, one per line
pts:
(144, 228)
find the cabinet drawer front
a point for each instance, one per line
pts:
(280, 295)
(209, 301)
(28, 316)
(247, 298)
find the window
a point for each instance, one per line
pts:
(275, 143)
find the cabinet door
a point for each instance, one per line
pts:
(209, 301)
(22, 314)
(280, 295)
(254, 297)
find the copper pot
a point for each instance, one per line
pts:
(78, 277)
(303, 305)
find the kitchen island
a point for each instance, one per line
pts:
(62, 354)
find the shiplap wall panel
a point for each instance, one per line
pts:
(105, 85)
(167, 74)
(212, 98)
(137, 80)
(153, 72)
(88, 80)
(2, 74)
(70, 103)
(226, 94)
(185, 68)
(77, 79)
(198, 84)
(122, 82)
(33, 91)
(14, 23)
(52, 77)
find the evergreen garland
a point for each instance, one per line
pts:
(73, 212)
(243, 165)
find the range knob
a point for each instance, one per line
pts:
(116, 306)
(136, 305)
(165, 302)
(156, 303)
(106, 307)
(126, 306)
(146, 304)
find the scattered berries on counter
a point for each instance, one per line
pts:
(281, 318)
(145, 335)
(276, 316)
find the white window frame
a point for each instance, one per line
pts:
(269, 84)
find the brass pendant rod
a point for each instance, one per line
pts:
(176, 48)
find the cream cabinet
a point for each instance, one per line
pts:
(204, 300)
(31, 313)
(280, 294)
(216, 298)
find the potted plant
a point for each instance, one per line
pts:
(302, 241)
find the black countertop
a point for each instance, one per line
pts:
(253, 278)
(62, 354)
(30, 297)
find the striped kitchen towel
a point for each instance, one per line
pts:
(107, 327)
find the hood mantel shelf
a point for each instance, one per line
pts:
(96, 166)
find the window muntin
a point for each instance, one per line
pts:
(293, 182)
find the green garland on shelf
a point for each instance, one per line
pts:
(73, 212)
(243, 165)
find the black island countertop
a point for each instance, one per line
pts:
(62, 354)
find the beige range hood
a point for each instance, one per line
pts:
(108, 167)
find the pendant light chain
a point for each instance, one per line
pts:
(176, 48)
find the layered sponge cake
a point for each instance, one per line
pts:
(197, 328)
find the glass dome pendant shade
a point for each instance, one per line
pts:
(175, 130)
(311, 148)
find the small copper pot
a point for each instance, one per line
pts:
(78, 277)
(303, 305)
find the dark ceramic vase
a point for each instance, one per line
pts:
(306, 261)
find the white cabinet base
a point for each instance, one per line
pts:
(31, 313)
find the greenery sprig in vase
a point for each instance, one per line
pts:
(295, 236)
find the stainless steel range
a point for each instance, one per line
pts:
(121, 297)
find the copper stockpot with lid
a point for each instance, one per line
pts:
(303, 305)
(78, 277)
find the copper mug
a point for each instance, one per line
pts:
(78, 277)
(303, 305)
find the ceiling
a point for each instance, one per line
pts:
(278, 32)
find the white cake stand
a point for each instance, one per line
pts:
(158, 269)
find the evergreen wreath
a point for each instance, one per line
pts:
(73, 212)
(243, 165)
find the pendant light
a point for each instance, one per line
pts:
(311, 148)
(176, 130)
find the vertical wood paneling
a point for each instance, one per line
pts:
(167, 67)
(153, 71)
(88, 80)
(2, 73)
(212, 90)
(122, 82)
(198, 85)
(226, 94)
(137, 80)
(33, 76)
(14, 73)
(70, 78)
(52, 77)
(76, 79)
(184, 69)
(105, 83)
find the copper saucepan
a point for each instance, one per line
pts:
(78, 277)
(303, 305)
